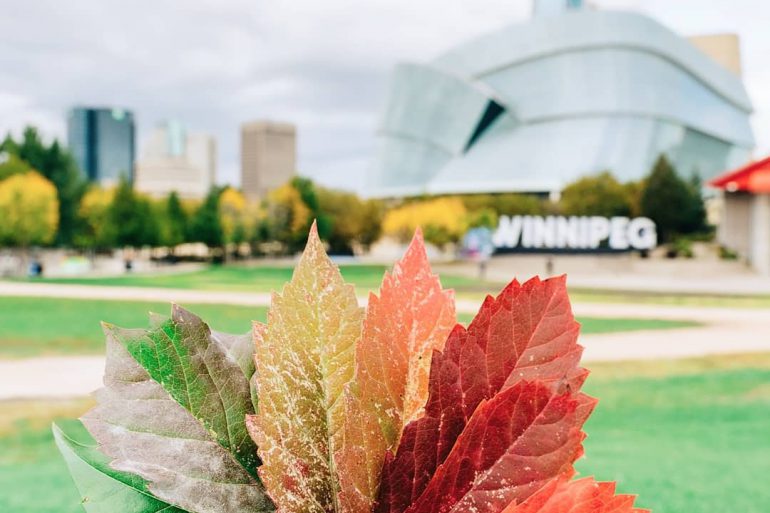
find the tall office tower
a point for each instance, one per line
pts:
(268, 156)
(173, 160)
(102, 142)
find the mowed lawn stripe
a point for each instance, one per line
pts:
(31, 326)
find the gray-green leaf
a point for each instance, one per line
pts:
(104, 489)
(173, 410)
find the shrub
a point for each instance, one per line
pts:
(506, 204)
(597, 195)
(681, 247)
(443, 220)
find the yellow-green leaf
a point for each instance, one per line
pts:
(304, 360)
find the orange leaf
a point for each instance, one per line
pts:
(410, 319)
(581, 496)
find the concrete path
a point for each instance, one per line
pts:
(649, 311)
(133, 293)
(54, 377)
(728, 331)
(626, 272)
(725, 330)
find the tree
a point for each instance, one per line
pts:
(288, 217)
(29, 210)
(695, 216)
(352, 221)
(633, 191)
(206, 225)
(309, 195)
(233, 214)
(58, 166)
(596, 195)
(371, 222)
(443, 220)
(675, 206)
(133, 219)
(176, 221)
(11, 164)
(96, 229)
(506, 204)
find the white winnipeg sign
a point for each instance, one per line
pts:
(575, 233)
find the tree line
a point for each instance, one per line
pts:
(44, 200)
(675, 204)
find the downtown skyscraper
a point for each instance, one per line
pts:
(102, 140)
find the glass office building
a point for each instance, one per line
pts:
(102, 142)
(571, 92)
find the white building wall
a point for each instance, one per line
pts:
(760, 234)
(175, 161)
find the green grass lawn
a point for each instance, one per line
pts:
(257, 279)
(368, 277)
(33, 477)
(37, 326)
(688, 436)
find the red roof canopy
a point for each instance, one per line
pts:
(753, 178)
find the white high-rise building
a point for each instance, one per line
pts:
(173, 160)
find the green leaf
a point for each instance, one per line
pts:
(173, 411)
(104, 489)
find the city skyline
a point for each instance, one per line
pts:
(218, 64)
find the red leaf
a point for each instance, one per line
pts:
(581, 496)
(527, 333)
(512, 445)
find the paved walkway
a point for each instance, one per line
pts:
(626, 272)
(725, 330)
(133, 293)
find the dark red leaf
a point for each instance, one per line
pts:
(512, 445)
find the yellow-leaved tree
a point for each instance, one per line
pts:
(443, 220)
(96, 229)
(29, 210)
(289, 215)
(233, 212)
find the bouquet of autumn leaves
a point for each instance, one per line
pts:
(332, 408)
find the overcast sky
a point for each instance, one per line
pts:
(322, 64)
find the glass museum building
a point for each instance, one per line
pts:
(573, 91)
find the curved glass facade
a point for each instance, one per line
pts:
(535, 106)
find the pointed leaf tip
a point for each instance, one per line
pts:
(314, 247)
(416, 255)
